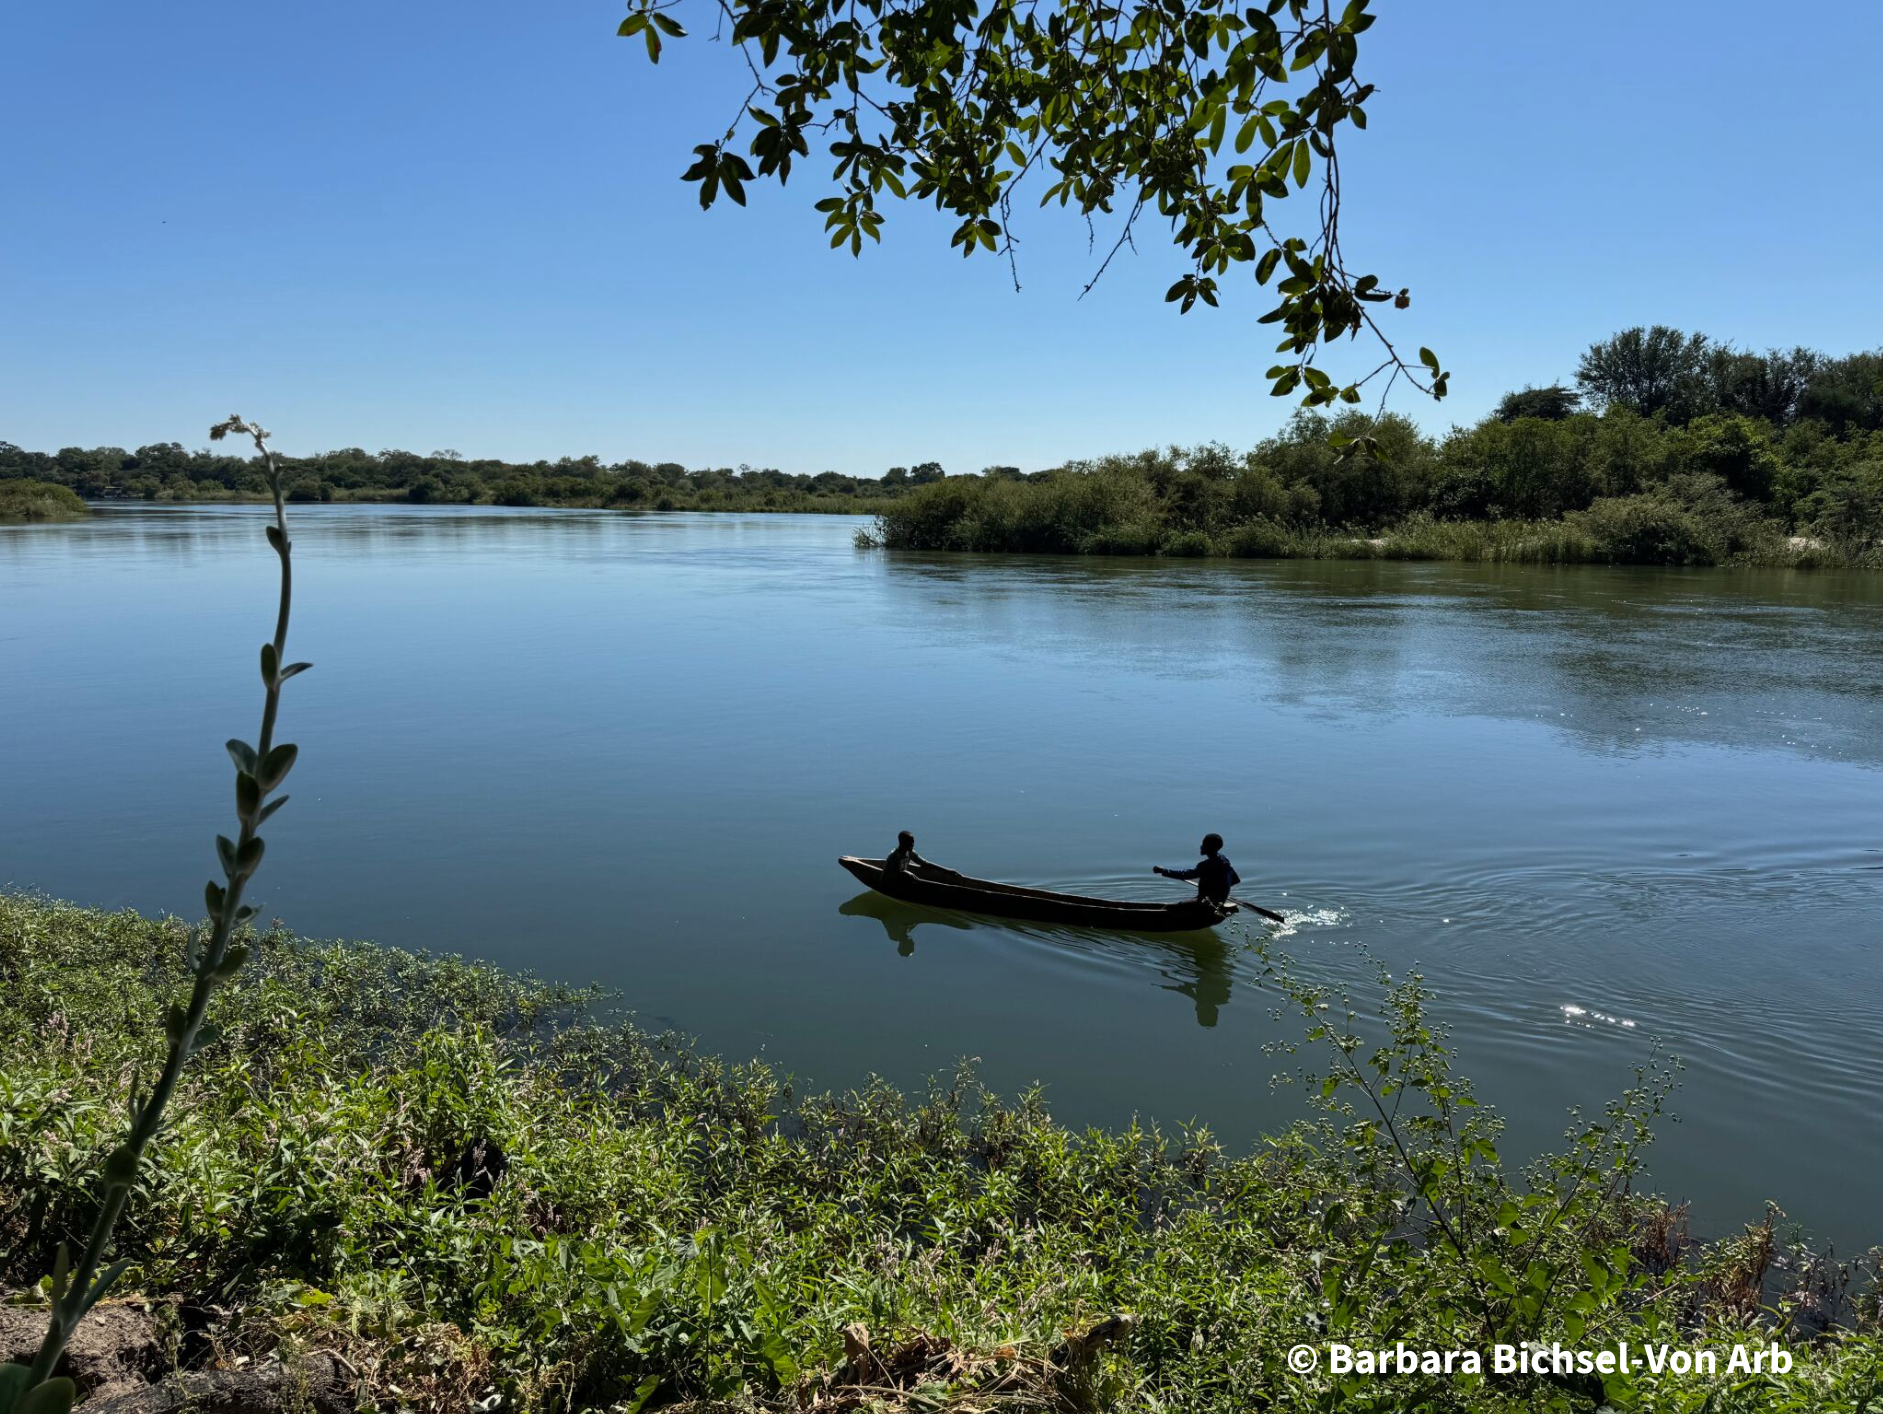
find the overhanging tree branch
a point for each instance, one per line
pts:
(1209, 114)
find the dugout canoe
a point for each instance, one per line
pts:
(944, 888)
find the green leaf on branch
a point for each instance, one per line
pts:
(121, 1165)
(14, 1382)
(104, 1281)
(55, 1396)
(276, 765)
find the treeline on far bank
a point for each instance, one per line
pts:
(1670, 449)
(168, 471)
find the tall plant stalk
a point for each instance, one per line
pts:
(212, 956)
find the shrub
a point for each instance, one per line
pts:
(1188, 544)
(1645, 530)
(1261, 539)
(40, 500)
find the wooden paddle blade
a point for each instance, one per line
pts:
(1269, 914)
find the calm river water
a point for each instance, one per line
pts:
(1596, 807)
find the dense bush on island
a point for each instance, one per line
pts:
(1688, 454)
(464, 1184)
(39, 500)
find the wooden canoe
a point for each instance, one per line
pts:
(943, 888)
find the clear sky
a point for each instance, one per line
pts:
(429, 225)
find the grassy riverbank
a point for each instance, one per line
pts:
(39, 500)
(673, 1228)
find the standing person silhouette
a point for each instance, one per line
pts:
(1215, 876)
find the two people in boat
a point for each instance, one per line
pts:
(1215, 876)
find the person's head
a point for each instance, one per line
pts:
(905, 840)
(1212, 844)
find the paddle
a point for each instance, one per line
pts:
(1267, 913)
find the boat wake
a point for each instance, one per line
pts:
(1300, 918)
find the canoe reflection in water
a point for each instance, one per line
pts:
(1195, 965)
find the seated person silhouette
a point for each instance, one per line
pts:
(904, 856)
(1215, 876)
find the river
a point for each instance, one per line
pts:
(1599, 809)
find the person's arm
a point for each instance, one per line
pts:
(1189, 873)
(914, 858)
(1234, 877)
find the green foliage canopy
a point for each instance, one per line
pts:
(1205, 113)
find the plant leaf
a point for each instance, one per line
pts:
(55, 1396)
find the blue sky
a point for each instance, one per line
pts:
(423, 225)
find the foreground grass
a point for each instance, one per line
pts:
(39, 500)
(671, 1228)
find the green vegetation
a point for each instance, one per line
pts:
(660, 1226)
(165, 471)
(1694, 454)
(39, 500)
(211, 958)
(1207, 113)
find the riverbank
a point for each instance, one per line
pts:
(752, 503)
(1120, 512)
(39, 501)
(468, 1183)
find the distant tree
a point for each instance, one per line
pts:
(1347, 490)
(1205, 115)
(1846, 393)
(1767, 385)
(896, 476)
(1001, 473)
(1848, 506)
(1738, 450)
(925, 473)
(1650, 370)
(1553, 403)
